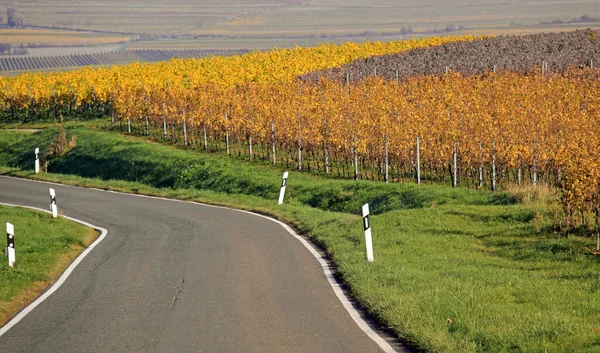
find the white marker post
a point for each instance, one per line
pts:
(37, 160)
(10, 248)
(283, 184)
(53, 207)
(367, 226)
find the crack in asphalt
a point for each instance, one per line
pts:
(178, 290)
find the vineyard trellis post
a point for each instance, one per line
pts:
(299, 143)
(480, 164)
(299, 126)
(544, 67)
(387, 160)
(227, 119)
(597, 229)
(204, 136)
(326, 153)
(185, 141)
(534, 174)
(72, 101)
(273, 142)
(250, 146)
(249, 135)
(493, 165)
(53, 103)
(164, 121)
(355, 152)
(227, 139)
(112, 109)
(418, 160)
(146, 108)
(12, 110)
(455, 165)
(520, 171)
(30, 107)
(325, 147)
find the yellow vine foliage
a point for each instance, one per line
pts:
(546, 123)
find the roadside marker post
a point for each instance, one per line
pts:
(53, 207)
(10, 240)
(367, 227)
(283, 185)
(37, 161)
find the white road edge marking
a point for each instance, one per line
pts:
(335, 285)
(337, 288)
(62, 278)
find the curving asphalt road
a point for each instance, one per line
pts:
(182, 277)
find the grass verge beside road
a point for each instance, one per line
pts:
(455, 269)
(45, 247)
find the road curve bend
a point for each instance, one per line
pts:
(176, 276)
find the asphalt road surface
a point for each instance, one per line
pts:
(181, 277)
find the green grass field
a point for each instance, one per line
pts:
(44, 248)
(455, 270)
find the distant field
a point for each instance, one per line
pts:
(26, 37)
(133, 16)
(287, 42)
(61, 50)
(340, 17)
(283, 23)
(91, 32)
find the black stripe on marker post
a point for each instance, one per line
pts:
(10, 240)
(366, 222)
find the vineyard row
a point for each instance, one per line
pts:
(522, 54)
(120, 57)
(478, 131)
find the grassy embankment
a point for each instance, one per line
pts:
(44, 249)
(454, 270)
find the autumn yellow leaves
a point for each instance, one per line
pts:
(504, 127)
